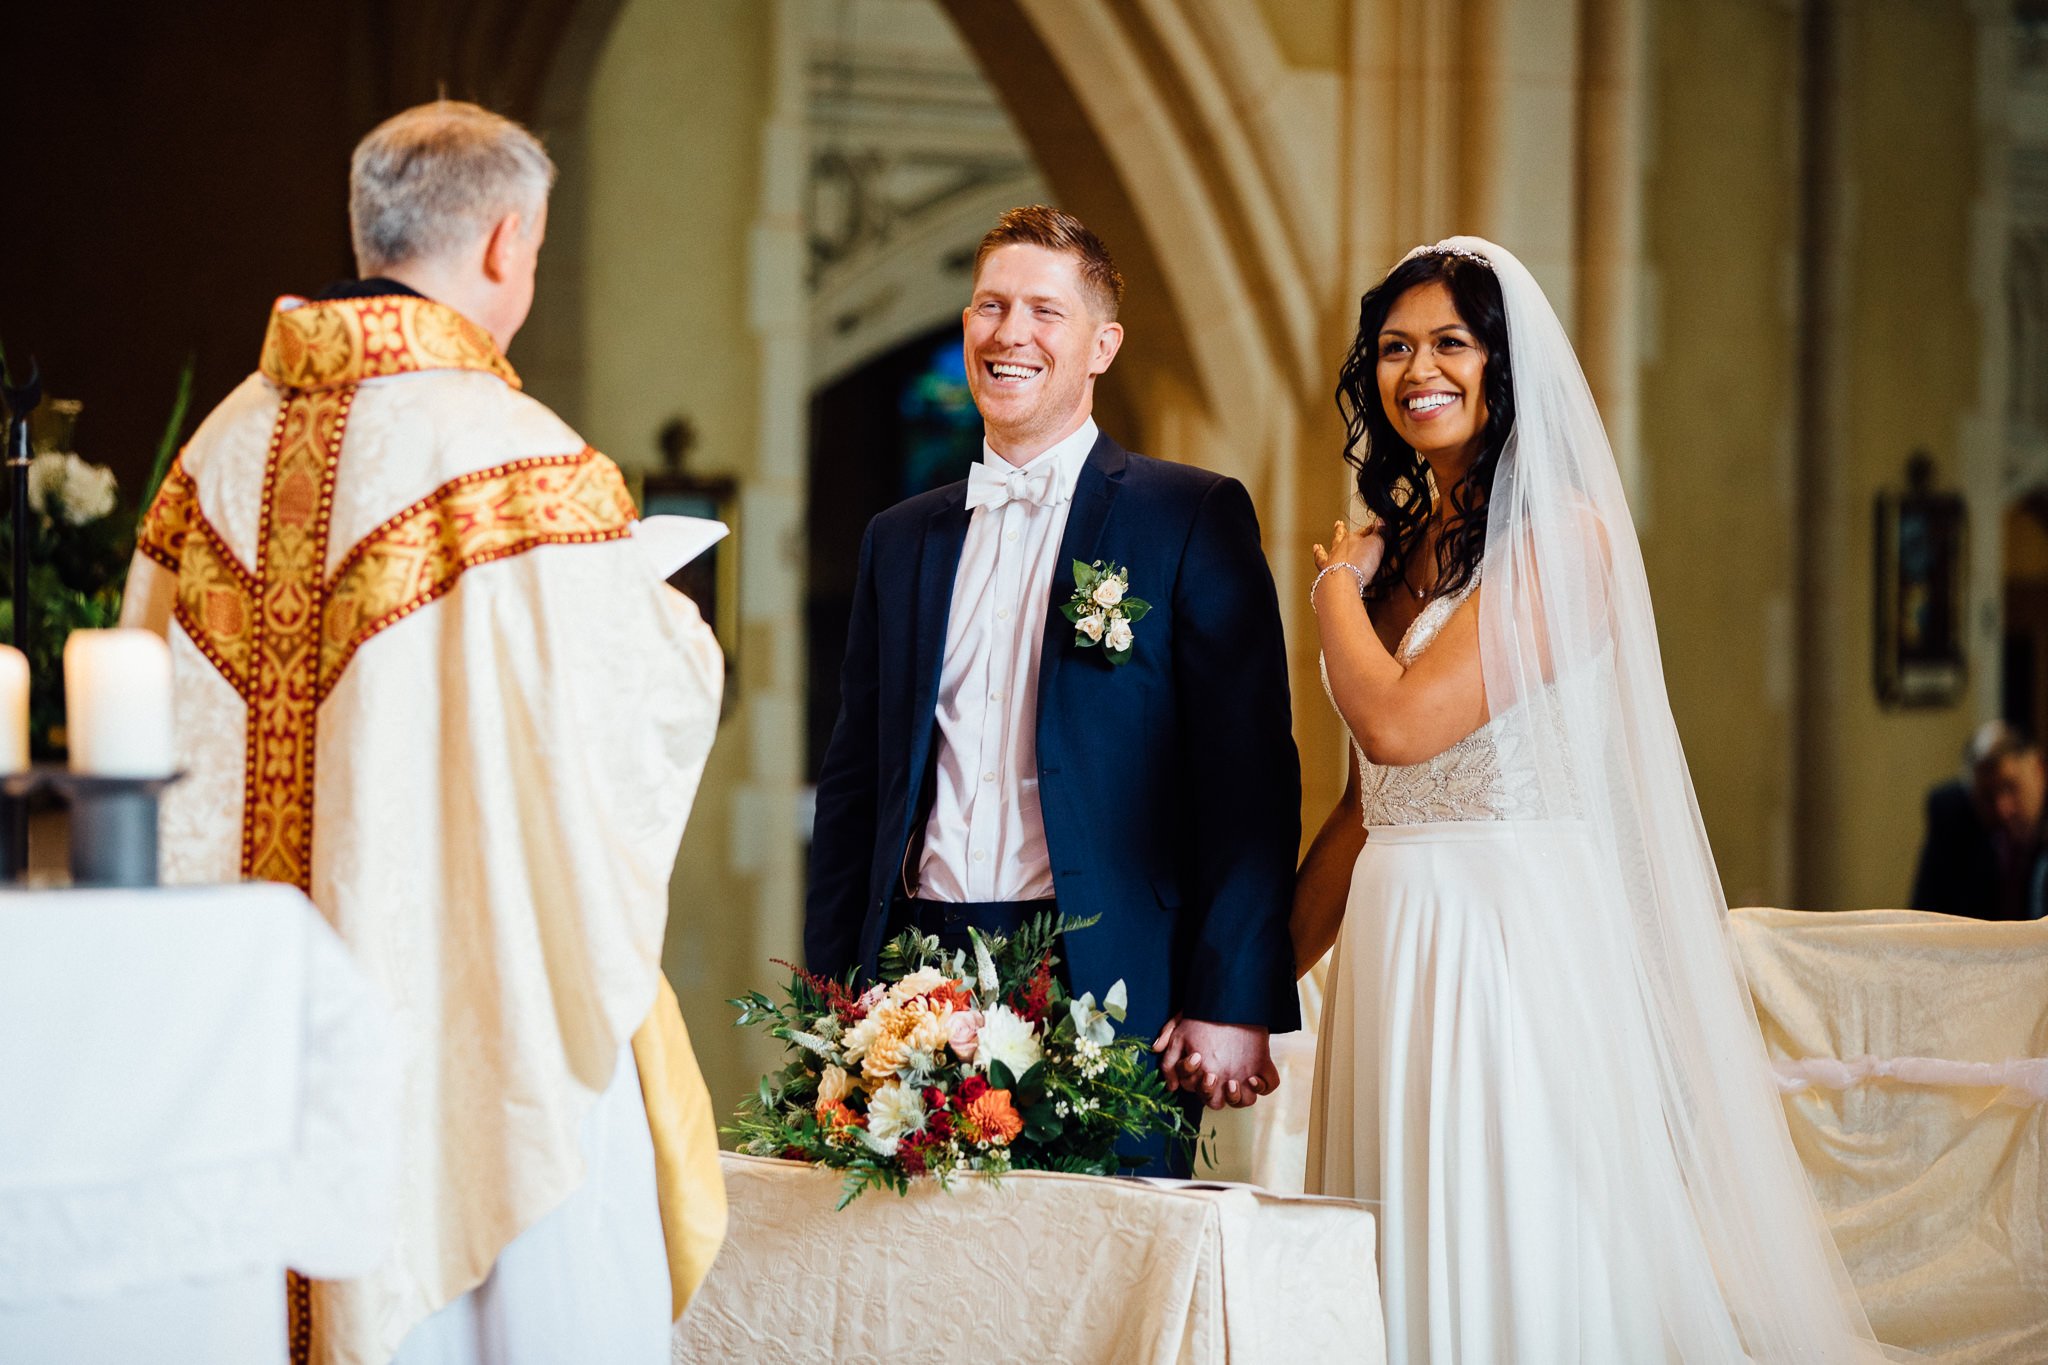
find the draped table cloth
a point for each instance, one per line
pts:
(198, 1089)
(1912, 1052)
(1037, 1267)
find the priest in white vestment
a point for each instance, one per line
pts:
(425, 672)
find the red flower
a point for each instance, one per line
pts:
(934, 1098)
(1037, 1001)
(844, 1002)
(970, 1090)
(939, 1123)
(912, 1152)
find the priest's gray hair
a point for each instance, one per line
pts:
(430, 181)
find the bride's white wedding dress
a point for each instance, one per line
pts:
(1538, 1057)
(1463, 963)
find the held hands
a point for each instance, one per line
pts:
(1223, 1063)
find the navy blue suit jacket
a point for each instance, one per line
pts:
(1170, 787)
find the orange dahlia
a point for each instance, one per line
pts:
(995, 1117)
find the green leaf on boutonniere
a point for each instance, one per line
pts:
(1073, 611)
(1119, 657)
(1134, 610)
(1086, 576)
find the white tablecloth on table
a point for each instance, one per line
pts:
(1037, 1267)
(197, 1089)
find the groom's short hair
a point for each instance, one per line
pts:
(427, 181)
(1055, 230)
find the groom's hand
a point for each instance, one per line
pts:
(1226, 1063)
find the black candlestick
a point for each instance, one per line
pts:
(21, 401)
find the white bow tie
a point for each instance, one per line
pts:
(993, 486)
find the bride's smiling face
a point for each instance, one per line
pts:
(1432, 373)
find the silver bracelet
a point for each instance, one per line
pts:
(1329, 569)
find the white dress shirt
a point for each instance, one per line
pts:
(985, 840)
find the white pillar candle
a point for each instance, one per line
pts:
(117, 703)
(13, 710)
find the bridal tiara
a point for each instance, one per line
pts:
(1448, 248)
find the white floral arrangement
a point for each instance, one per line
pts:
(1103, 611)
(71, 490)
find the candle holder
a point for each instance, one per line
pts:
(113, 822)
(13, 839)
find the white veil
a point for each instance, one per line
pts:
(1575, 685)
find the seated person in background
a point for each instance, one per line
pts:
(1985, 855)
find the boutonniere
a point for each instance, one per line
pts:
(1103, 610)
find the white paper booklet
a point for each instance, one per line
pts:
(672, 542)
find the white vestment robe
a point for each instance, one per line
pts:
(423, 671)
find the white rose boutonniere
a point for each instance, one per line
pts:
(1103, 610)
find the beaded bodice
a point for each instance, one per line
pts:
(1484, 776)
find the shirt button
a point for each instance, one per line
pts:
(979, 856)
(995, 696)
(1011, 536)
(1002, 613)
(988, 777)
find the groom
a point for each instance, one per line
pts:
(988, 764)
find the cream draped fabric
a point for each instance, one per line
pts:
(422, 668)
(1038, 1267)
(1935, 1177)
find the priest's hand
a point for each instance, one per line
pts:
(1224, 1063)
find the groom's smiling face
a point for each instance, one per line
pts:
(1034, 342)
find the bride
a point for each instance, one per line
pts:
(1537, 1056)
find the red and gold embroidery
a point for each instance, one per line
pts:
(170, 517)
(283, 634)
(332, 342)
(291, 558)
(416, 556)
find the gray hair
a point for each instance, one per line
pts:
(427, 182)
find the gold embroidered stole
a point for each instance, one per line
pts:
(282, 630)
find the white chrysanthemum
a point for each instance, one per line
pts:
(894, 1113)
(1009, 1038)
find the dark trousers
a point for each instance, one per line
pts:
(949, 922)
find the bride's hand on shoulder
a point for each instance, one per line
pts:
(1362, 550)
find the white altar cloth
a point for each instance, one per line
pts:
(1036, 1268)
(197, 1089)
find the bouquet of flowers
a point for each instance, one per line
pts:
(953, 1062)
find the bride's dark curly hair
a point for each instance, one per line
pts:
(1393, 481)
